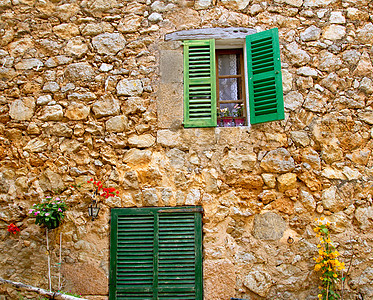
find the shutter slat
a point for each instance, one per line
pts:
(199, 83)
(265, 82)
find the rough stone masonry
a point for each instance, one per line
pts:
(90, 89)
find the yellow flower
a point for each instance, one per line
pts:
(335, 275)
(320, 296)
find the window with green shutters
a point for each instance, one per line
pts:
(264, 82)
(156, 253)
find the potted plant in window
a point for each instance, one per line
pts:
(238, 113)
(226, 117)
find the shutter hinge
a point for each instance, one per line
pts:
(194, 209)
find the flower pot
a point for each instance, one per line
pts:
(228, 122)
(239, 121)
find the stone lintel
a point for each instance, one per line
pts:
(210, 33)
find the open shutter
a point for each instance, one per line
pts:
(199, 84)
(264, 77)
(156, 253)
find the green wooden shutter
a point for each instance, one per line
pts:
(265, 78)
(156, 253)
(199, 84)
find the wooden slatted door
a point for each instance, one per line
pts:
(156, 253)
(264, 77)
(199, 83)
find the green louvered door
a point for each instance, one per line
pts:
(199, 84)
(156, 253)
(265, 79)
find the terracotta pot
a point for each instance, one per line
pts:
(239, 121)
(227, 121)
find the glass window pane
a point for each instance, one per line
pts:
(228, 64)
(229, 89)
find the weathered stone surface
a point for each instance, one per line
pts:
(287, 81)
(364, 67)
(141, 141)
(318, 3)
(258, 281)
(366, 116)
(332, 201)
(293, 100)
(297, 56)
(235, 4)
(51, 87)
(268, 226)
(66, 30)
(76, 47)
(88, 96)
(93, 29)
(329, 62)
(150, 197)
(278, 161)
(79, 71)
(52, 113)
(135, 157)
(312, 33)
(287, 181)
(22, 109)
(315, 102)
(60, 129)
(220, 274)
(130, 23)
(365, 35)
(364, 215)
(106, 106)
(29, 63)
(116, 124)
(127, 87)
(155, 17)
(168, 138)
(239, 161)
(109, 43)
(77, 111)
(307, 200)
(35, 145)
(202, 4)
(355, 14)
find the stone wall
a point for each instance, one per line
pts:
(85, 93)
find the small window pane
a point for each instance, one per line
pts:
(229, 89)
(228, 64)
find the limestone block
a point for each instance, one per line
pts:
(106, 106)
(307, 200)
(202, 4)
(318, 3)
(293, 100)
(76, 47)
(168, 138)
(116, 124)
(297, 56)
(109, 43)
(269, 180)
(170, 99)
(359, 157)
(315, 102)
(278, 161)
(7, 74)
(79, 71)
(365, 35)
(141, 141)
(267, 196)
(160, 6)
(51, 181)
(366, 85)
(334, 32)
(355, 14)
(364, 67)
(51, 113)
(61, 129)
(51, 87)
(366, 116)
(92, 29)
(307, 71)
(336, 17)
(130, 23)
(29, 63)
(5, 4)
(19, 47)
(171, 66)
(332, 201)
(58, 61)
(77, 111)
(22, 109)
(219, 279)
(35, 145)
(287, 181)
(177, 158)
(329, 62)
(150, 197)
(312, 158)
(70, 146)
(239, 161)
(128, 87)
(287, 81)
(268, 226)
(155, 17)
(351, 174)
(235, 4)
(333, 173)
(66, 30)
(300, 138)
(312, 33)
(193, 197)
(258, 281)
(364, 215)
(88, 96)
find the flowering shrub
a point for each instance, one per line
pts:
(13, 228)
(48, 213)
(327, 263)
(102, 191)
(224, 112)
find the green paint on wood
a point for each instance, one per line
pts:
(199, 84)
(265, 79)
(156, 253)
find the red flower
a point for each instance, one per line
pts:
(13, 228)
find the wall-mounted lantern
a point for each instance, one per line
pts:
(94, 207)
